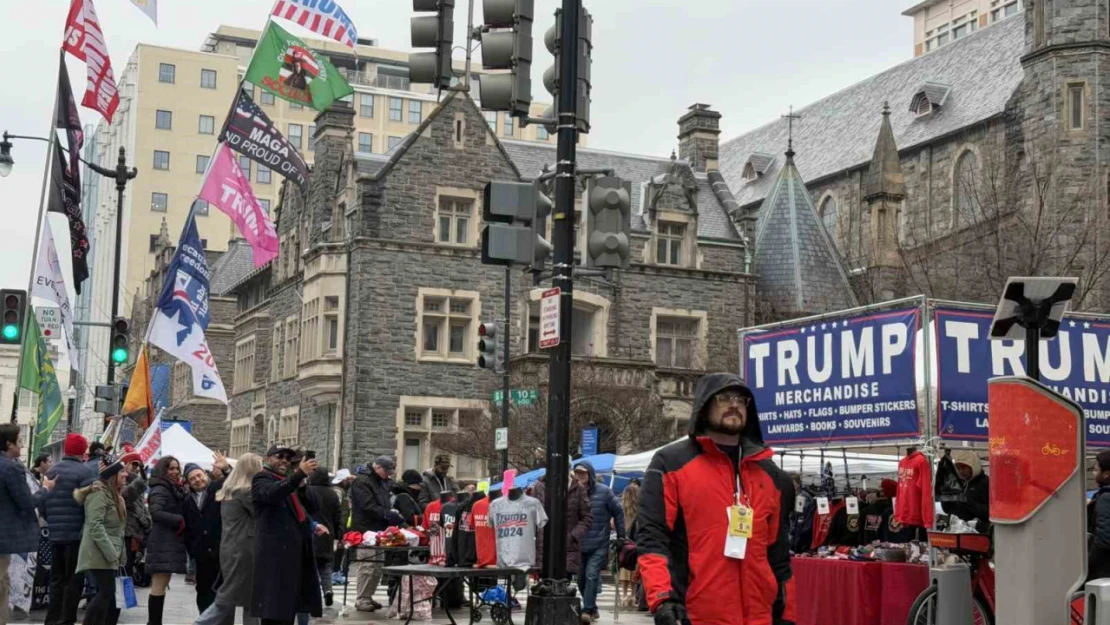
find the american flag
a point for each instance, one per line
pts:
(322, 18)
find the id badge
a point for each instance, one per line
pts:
(736, 541)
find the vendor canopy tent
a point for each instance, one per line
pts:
(793, 461)
(602, 464)
(180, 444)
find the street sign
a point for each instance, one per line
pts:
(517, 397)
(50, 322)
(549, 318)
(501, 439)
(589, 441)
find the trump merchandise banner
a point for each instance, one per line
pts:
(848, 379)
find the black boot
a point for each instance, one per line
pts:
(154, 609)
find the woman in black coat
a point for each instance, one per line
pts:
(328, 515)
(285, 580)
(165, 551)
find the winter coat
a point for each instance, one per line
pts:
(237, 550)
(203, 525)
(63, 514)
(682, 524)
(604, 507)
(404, 502)
(328, 514)
(434, 485)
(138, 517)
(1098, 535)
(17, 510)
(102, 537)
(285, 581)
(371, 509)
(165, 547)
(579, 518)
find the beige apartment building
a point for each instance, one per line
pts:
(173, 104)
(939, 22)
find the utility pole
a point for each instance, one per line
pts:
(122, 176)
(505, 391)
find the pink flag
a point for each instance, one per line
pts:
(226, 188)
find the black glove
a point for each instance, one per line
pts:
(670, 613)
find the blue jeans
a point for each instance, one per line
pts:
(590, 578)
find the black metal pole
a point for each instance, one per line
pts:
(558, 432)
(1033, 352)
(505, 374)
(122, 176)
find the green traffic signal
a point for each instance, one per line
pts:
(11, 332)
(119, 355)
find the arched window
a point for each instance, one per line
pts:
(828, 215)
(964, 189)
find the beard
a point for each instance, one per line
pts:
(730, 423)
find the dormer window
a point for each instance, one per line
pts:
(757, 165)
(668, 244)
(929, 99)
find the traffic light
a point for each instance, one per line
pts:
(121, 341)
(432, 31)
(14, 304)
(513, 234)
(608, 222)
(554, 45)
(507, 44)
(109, 399)
(488, 354)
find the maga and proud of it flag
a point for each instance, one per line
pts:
(38, 376)
(182, 313)
(323, 17)
(287, 68)
(85, 41)
(251, 133)
(139, 403)
(226, 188)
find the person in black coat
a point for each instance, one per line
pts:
(165, 550)
(1098, 521)
(372, 511)
(66, 520)
(329, 515)
(285, 583)
(203, 526)
(974, 501)
(20, 534)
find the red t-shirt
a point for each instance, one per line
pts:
(484, 535)
(436, 543)
(914, 505)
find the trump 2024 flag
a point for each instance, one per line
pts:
(182, 313)
(226, 188)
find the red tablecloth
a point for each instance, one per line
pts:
(901, 584)
(837, 591)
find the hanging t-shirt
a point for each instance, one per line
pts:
(485, 538)
(466, 550)
(822, 523)
(433, 518)
(845, 528)
(517, 524)
(873, 518)
(914, 505)
(449, 519)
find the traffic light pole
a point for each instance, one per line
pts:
(122, 176)
(505, 365)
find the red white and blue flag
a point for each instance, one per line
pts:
(323, 17)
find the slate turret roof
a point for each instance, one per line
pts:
(799, 270)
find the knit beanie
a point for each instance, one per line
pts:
(889, 488)
(109, 467)
(411, 477)
(75, 445)
(189, 468)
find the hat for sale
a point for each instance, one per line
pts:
(386, 463)
(190, 467)
(341, 476)
(109, 467)
(412, 477)
(75, 445)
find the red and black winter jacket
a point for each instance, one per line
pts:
(683, 524)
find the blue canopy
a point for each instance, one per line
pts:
(602, 463)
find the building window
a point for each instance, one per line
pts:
(159, 202)
(207, 125)
(293, 106)
(395, 108)
(200, 207)
(454, 220)
(1076, 109)
(161, 160)
(419, 422)
(296, 132)
(275, 353)
(507, 125)
(964, 186)
(491, 119)
(163, 120)
(394, 142)
(292, 346)
(208, 78)
(331, 324)
(1001, 9)
(365, 143)
(182, 383)
(202, 163)
(265, 204)
(312, 138)
(266, 98)
(668, 243)
(166, 73)
(263, 174)
(676, 342)
(445, 322)
(541, 133)
(415, 112)
(414, 418)
(244, 365)
(310, 329)
(153, 243)
(245, 166)
(589, 332)
(829, 216)
(240, 439)
(288, 427)
(365, 105)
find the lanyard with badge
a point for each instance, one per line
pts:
(740, 518)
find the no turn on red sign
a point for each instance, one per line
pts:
(549, 318)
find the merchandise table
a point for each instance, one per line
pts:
(469, 575)
(856, 593)
(380, 554)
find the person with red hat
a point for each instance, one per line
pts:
(65, 518)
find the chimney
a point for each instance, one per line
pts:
(698, 137)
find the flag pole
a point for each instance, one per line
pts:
(52, 135)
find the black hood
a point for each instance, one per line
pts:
(708, 386)
(319, 477)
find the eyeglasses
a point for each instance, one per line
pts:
(726, 399)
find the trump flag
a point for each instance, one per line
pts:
(226, 188)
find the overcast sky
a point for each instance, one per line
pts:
(750, 59)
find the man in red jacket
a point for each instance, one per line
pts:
(715, 518)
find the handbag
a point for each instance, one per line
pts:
(125, 591)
